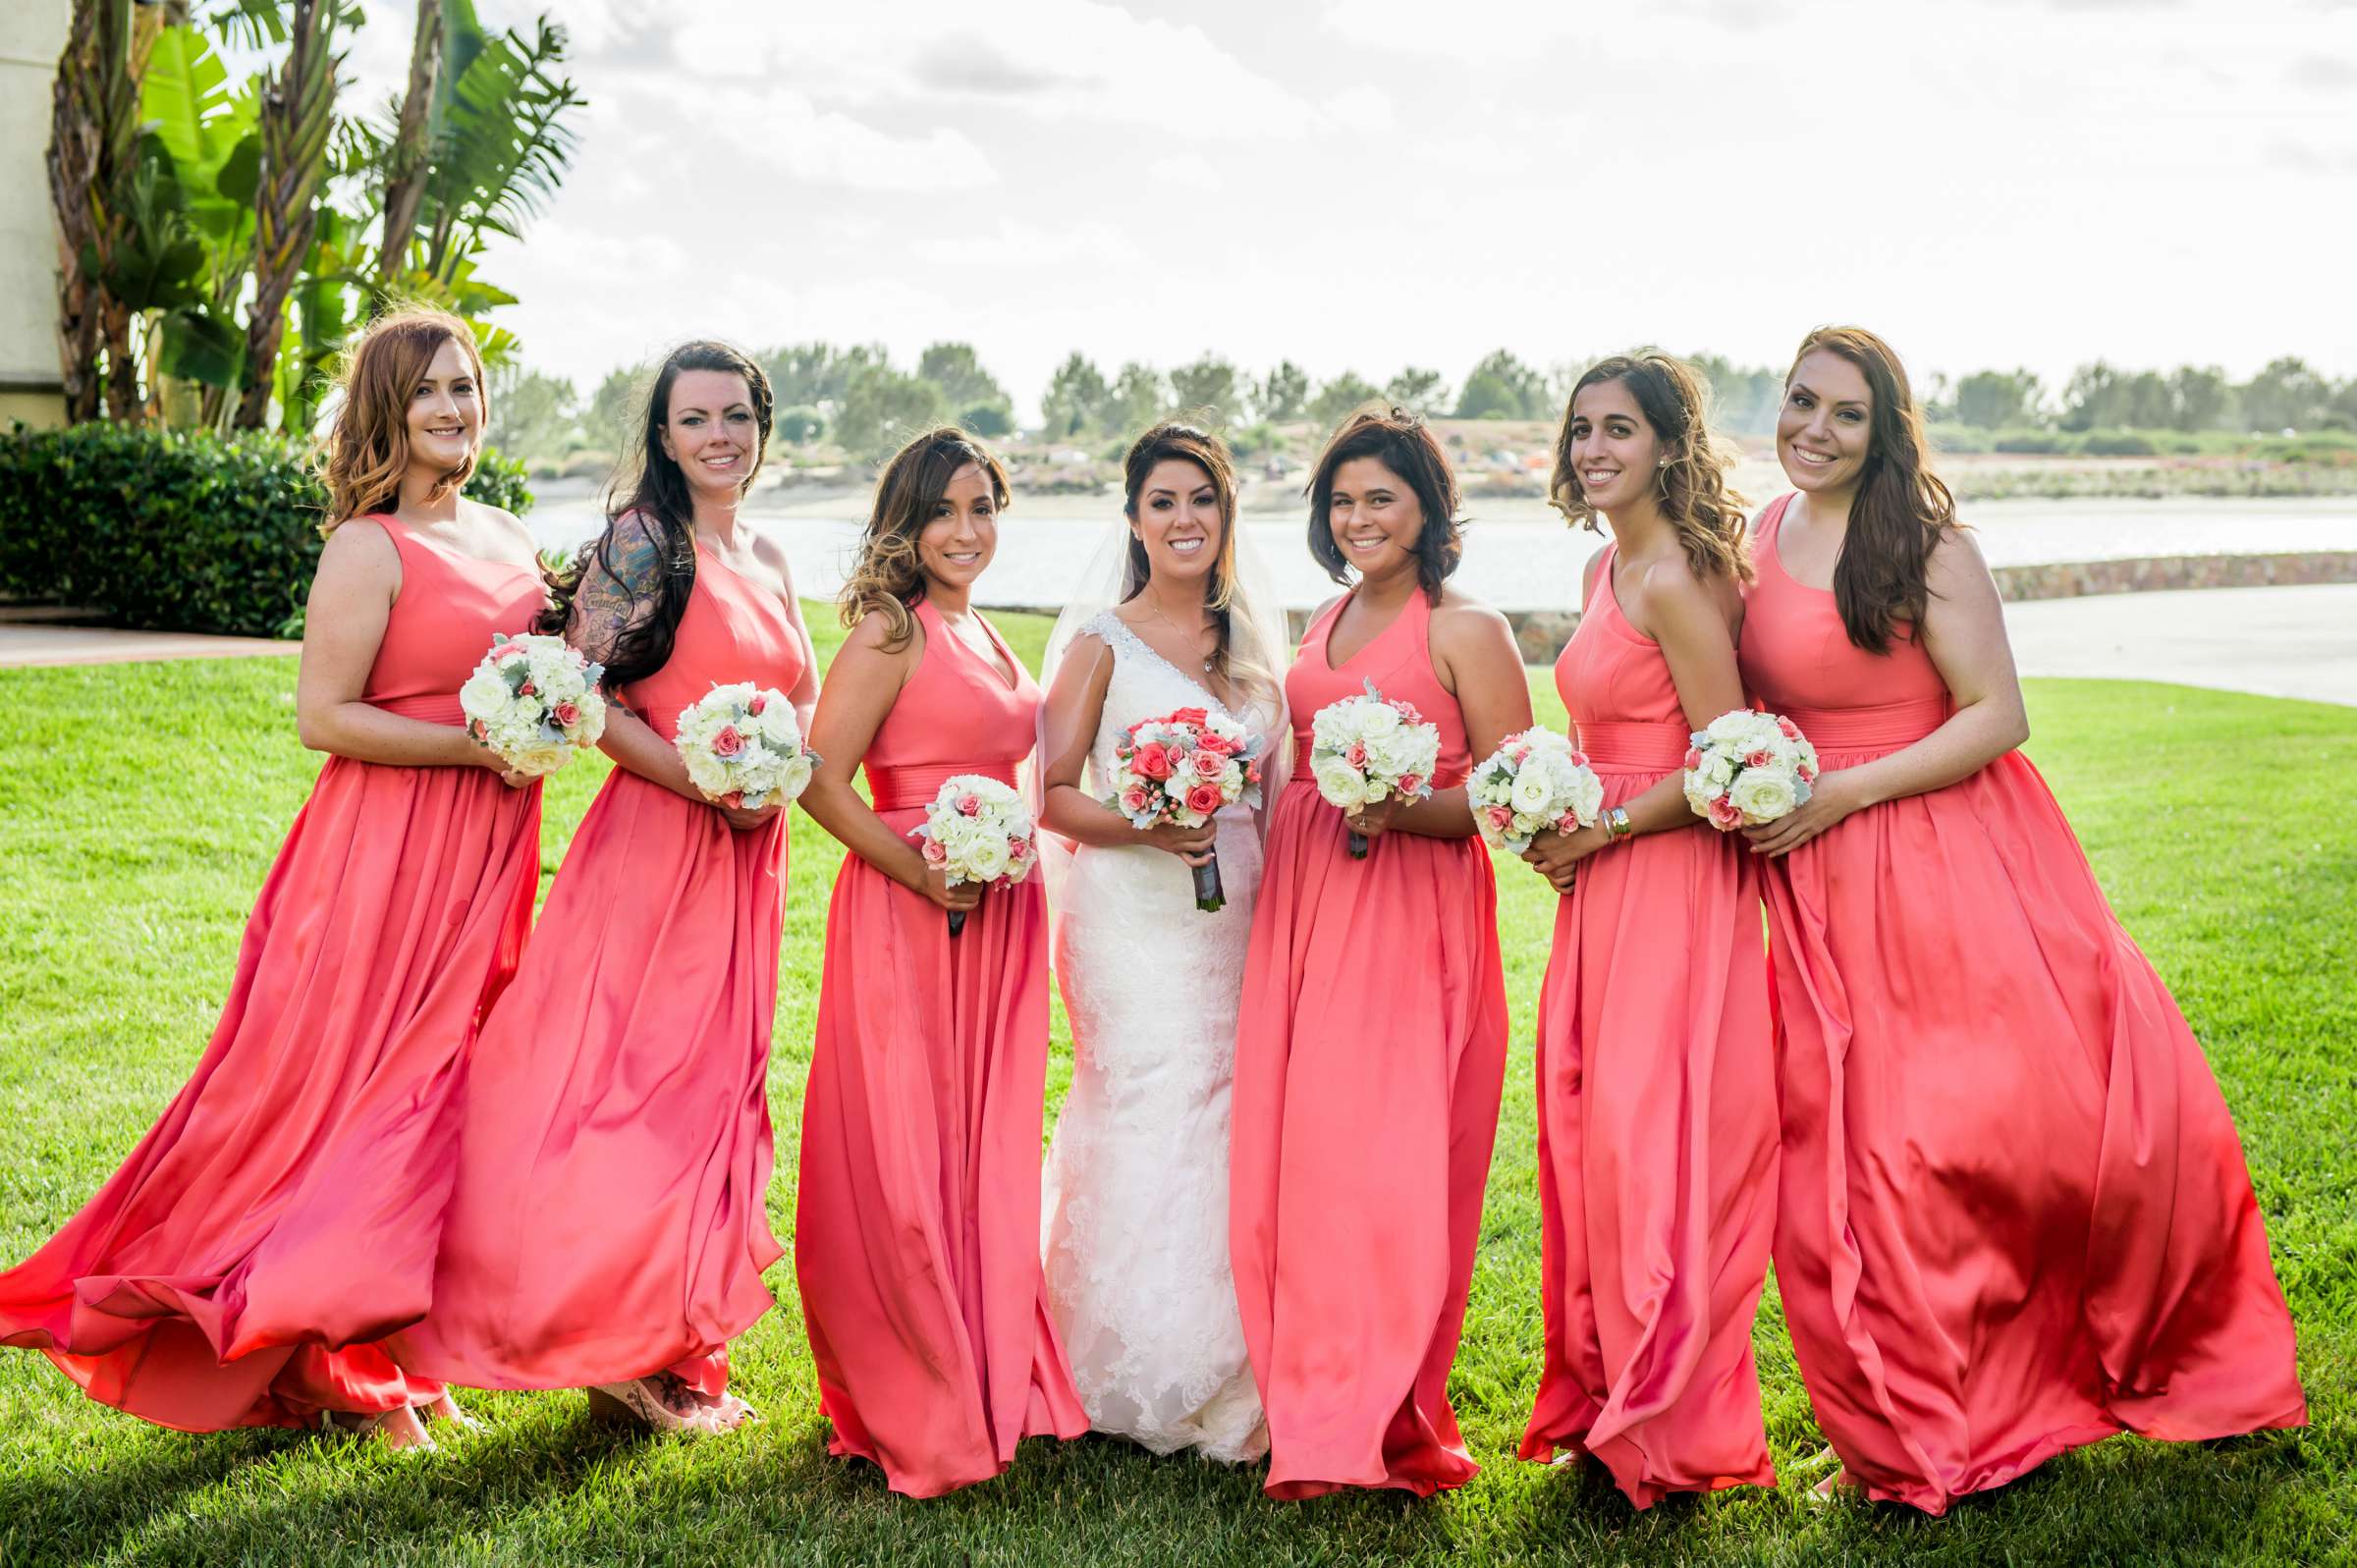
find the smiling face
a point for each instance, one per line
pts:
(956, 542)
(1375, 518)
(1178, 520)
(445, 412)
(711, 431)
(1825, 430)
(1615, 453)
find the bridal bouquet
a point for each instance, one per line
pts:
(1183, 769)
(533, 701)
(1362, 750)
(1747, 767)
(1532, 783)
(742, 745)
(978, 830)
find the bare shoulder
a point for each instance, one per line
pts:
(1587, 578)
(1327, 605)
(359, 546)
(872, 637)
(1958, 566)
(772, 555)
(1464, 620)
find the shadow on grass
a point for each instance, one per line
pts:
(547, 1484)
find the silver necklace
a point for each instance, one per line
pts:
(1184, 635)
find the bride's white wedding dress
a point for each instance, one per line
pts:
(1136, 1204)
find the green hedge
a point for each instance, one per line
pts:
(173, 530)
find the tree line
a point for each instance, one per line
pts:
(856, 399)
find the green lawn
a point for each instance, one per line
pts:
(2220, 825)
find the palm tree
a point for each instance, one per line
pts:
(297, 116)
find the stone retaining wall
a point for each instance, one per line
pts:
(1542, 633)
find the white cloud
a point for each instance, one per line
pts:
(1014, 244)
(1185, 168)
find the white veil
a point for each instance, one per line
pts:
(1257, 656)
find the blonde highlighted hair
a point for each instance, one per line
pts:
(369, 448)
(889, 577)
(1690, 487)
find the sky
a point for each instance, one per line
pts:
(1366, 184)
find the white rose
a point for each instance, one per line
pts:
(1700, 792)
(1377, 718)
(986, 860)
(1719, 768)
(1532, 791)
(1763, 794)
(1339, 784)
(485, 692)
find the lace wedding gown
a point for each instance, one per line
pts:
(1137, 1184)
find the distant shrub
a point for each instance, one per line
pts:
(172, 530)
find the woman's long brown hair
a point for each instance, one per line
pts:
(1900, 509)
(887, 576)
(369, 447)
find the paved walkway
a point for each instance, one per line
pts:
(31, 643)
(2278, 642)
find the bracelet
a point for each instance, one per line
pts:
(1616, 825)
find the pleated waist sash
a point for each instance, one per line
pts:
(434, 707)
(904, 788)
(1885, 726)
(1631, 745)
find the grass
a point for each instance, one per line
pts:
(2219, 823)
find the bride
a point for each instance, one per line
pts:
(1136, 1202)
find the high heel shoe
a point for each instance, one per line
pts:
(398, 1428)
(639, 1403)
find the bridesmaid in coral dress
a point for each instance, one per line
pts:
(1656, 1091)
(917, 1231)
(2014, 1213)
(279, 1221)
(610, 1222)
(1370, 1049)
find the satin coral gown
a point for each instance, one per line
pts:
(281, 1217)
(916, 1232)
(1657, 1112)
(2014, 1213)
(610, 1217)
(1370, 1055)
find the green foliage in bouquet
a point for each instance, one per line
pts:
(175, 530)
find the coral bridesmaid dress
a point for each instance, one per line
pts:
(916, 1232)
(610, 1218)
(2015, 1214)
(1657, 1112)
(1369, 1059)
(281, 1217)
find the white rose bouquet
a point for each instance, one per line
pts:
(1532, 783)
(742, 745)
(532, 702)
(1746, 768)
(1364, 750)
(978, 830)
(1182, 768)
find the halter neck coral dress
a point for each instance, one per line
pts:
(280, 1220)
(1370, 1055)
(611, 1213)
(917, 1228)
(2014, 1213)
(1657, 1112)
